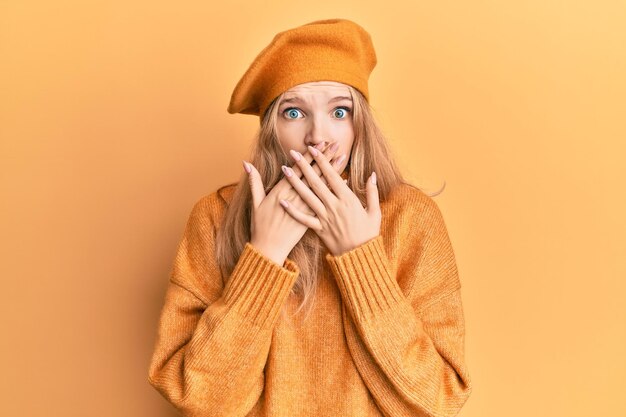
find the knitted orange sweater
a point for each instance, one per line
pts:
(385, 337)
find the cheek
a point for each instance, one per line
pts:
(289, 135)
(344, 132)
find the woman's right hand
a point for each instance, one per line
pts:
(274, 232)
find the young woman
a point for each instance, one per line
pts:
(320, 284)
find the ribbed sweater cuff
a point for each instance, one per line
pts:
(258, 286)
(364, 279)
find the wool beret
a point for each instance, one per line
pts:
(324, 50)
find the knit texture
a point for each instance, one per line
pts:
(324, 50)
(385, 337)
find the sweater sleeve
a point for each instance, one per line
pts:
(213, 339)
(407, 342)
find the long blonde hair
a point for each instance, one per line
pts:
(370, 152)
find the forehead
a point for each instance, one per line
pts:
(318, 87)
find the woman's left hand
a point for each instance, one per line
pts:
(341, 221)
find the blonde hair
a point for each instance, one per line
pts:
(370, 152)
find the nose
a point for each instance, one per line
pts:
(317, 135)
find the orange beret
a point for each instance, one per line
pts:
(324, 50)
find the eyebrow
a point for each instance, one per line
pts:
(298, 99)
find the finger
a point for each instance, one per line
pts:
(305, 193)
(309, 158)
(329, 152)
(371, 190)
(256, 184)
(336, 163)
(309, 221)
(332, 176)
(316, 184)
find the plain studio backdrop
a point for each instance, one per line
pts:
(113, 123)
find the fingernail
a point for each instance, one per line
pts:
(246, 167)
(312, 150)
(296, 155)
(373, 178)
(288, 172)
(334, 147)
(284, 203)
(340, 159)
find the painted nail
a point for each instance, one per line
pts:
(246, 167)
(288, 172)
(313, 151)
(334, 147)
(284, 203)
(340, 159)
(296, 155)
(373, 178)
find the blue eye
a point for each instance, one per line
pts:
(292, 113)
(341, 112)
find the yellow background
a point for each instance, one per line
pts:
(113, 123)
